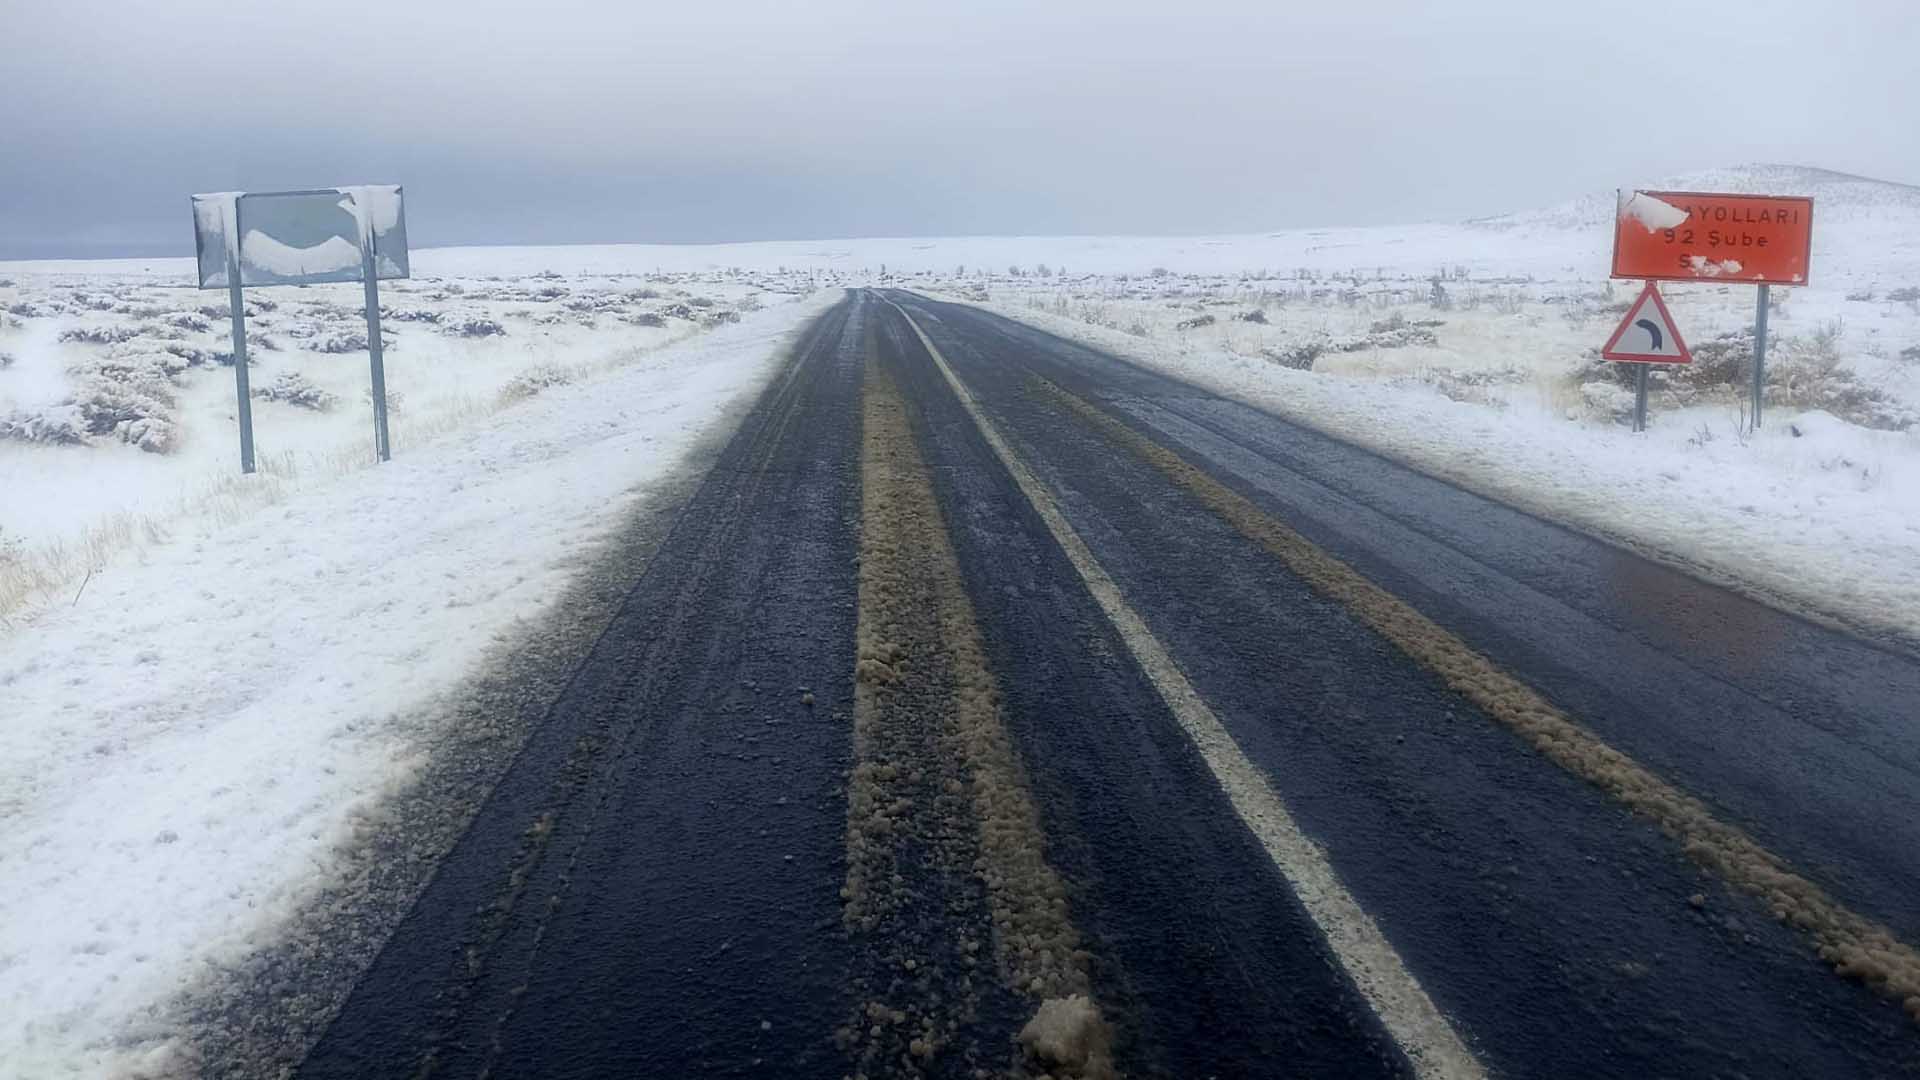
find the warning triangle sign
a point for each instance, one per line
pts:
(1647, 334)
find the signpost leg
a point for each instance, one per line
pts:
(240, 365)
(1759, 357)
(1640, 397)
(380, 446)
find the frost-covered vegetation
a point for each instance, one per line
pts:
(1503, 341)
(117, 393)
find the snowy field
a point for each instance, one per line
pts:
(117, 398)
(206, 679)
(1453, 349)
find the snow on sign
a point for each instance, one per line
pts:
(302, 238)
(1694, 236)
(299, 237)
(1647, 334)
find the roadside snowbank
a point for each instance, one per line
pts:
(184, 745)
(1826, 521)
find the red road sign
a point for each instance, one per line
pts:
(1647, 334)
(1694, 236)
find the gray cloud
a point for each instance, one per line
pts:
(568, 121)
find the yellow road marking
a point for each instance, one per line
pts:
(937, 791)
(1376, 970)
(1856, 946)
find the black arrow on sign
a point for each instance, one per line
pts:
(1652, 328)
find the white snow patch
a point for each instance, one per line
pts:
(284, 260)
(38, 376)
(1649, 211)
(377, 206)
(1706, 267)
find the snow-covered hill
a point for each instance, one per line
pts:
(1837, 197)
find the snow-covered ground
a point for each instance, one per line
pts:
(1462, 356)
(117, 398)
(186, 742)
(205, 680)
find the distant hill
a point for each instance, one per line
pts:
(1837, 197)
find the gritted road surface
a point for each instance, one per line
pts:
(997, 708)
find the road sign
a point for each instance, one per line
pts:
(302, 238)
(1646, 335)
(1695, 236)
(299, 237)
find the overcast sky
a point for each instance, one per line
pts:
(561, 121)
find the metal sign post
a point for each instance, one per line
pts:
(380, 446)
(239, 306)
(1646, 335)
(1760, 356)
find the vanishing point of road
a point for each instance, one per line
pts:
(997, 708)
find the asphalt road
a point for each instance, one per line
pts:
(998, 708)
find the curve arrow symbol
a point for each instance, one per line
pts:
(1652, 328)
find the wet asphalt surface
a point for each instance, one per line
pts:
(653, 889)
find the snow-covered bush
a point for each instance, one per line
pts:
(135, 360)
(1608, 400)
(1802, 372)
(531, 382)
(139, 411)
(99, 335)
(7, 359)
(152, 434)
(335, 342)
(1298, 357)
(643, 318)
(473, 326)
(1194, 323)
(189, 320)
(57, 425)
(293, 388)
